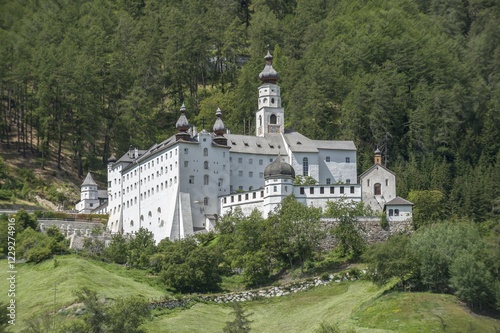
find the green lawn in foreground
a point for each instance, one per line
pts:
(422, 312)
(357, 305)
(35, 283)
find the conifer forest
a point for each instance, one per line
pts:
(420, 79)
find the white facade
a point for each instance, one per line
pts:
(92, 200)
(185, 183)
(379, 186)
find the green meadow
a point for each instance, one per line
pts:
(357, 305)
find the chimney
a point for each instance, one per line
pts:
(136, 153)
(130, 151)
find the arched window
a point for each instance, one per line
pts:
(305, 166)
(377, 189)
(396, 212)
(260, 120)
(273, 119)
(131, 223)
(205, 180)
(205, 165)
(205, 151)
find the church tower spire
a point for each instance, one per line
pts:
(219, 129)
(270, 117)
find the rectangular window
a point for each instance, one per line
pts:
(311, 190)
(186, 163)
(254, 195)
(250, 161)
(246, 196)
(352, 189)
(341, 189)
(261, 175)
(387, 182)
(261, 162)
(332, 190)
(240, 173)
(328, 181)
(321, 190)
(186, 151)
(302, 190)
(250, 174)
(240, 160)
(348, 160)
(191, 180)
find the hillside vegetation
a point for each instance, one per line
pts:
(420, 79)
(359, 305)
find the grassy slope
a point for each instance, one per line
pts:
(34, 289)
(357, 305)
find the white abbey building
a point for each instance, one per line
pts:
(185, 183)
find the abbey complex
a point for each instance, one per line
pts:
(184, 184)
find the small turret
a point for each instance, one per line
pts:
(219, 129)
(378, 157)
(182, 125)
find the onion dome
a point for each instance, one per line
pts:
(279, 169)
(112, 159)
(269, 74)
(182, 123)
(219, 128)
(377, 151)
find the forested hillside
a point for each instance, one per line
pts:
(420, 79)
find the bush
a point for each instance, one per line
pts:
(6, 194)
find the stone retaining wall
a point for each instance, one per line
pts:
(370, 228)
(275, 291)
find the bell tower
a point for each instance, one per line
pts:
(270, 117)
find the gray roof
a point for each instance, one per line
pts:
(89, 180)
(249, 144)
(398, 201)
(373, 167)
(102, 194)
(126, 159)
(300, 143)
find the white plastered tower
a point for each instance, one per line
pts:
(270, 117)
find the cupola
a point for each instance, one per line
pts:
(182, 125)
(378, 157)
(269, 74)
(279, 169)
(219, 129)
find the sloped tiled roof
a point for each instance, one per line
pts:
(89, 180)
(397, 201)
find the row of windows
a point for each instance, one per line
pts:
(250, 174)
(206, 180)
(394, 213)
(250, 160)
(246, 196)
(347, 159)
(332, 190)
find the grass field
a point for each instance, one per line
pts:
(359, 305)
(35, 284)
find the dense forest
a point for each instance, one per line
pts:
(418, 78)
